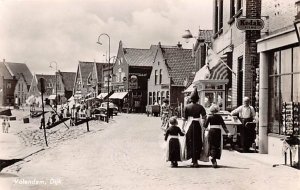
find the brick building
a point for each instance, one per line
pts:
(7, 86)
(131, 72)
(18, 83)
(279, 76)
(170, 74)
(237, 47)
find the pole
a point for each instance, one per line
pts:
(44, 119)
(56, 87)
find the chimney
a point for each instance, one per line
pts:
(179, 45)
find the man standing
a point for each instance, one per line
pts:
(246, 113)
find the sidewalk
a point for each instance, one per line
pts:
(12, 149)
(266, 159)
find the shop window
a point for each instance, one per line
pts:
(286, 61)
(284, 86)
(296, 59)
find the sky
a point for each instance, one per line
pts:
(38, 32)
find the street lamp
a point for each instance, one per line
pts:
(55, 82)
(297, 20)
(98, 42)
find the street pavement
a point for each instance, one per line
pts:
(129, 154)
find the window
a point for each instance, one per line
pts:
(162, 95)
(160, 76)
(156, 75)
(284, 85)
(8, 85)
(221, 14)
(216, 13)
(240, 82)
(150, 98)
(232, 8)
(158, 97)
(167, 94)
(154, 99)
(239, 4)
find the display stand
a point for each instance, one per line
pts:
(290, 123)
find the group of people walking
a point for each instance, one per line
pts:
(202, 134)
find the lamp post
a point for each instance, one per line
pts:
(55, 82)
(98, 42)
(297, 20)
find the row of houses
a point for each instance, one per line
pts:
(17, 83)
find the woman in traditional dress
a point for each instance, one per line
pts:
(193, 112)
(173, 145)
(165, 113)
(214, 124)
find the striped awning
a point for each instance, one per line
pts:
(220, 70)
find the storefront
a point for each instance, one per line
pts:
(279, 88)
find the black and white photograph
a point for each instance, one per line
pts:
(149, 94)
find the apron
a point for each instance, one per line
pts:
(168, 146)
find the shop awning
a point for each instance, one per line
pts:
(52, 97)
(118, 95)
(102, 95)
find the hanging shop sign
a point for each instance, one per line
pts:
(250, 24)
(133, 82)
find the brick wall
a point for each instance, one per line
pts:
(281, 13)
(253, 10)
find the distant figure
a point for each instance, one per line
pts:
(165, 113)
(42, 122)
(53, 118)
(49, 122)
(3, 125)
(61, 115)
(174, 153)
(7, 126)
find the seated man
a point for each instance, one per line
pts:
(246, 113)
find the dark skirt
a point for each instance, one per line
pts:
(214, 140)
(174, 150)
(194, 141)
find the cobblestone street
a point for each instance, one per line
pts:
(128, 154)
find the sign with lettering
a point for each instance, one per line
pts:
(139, 74)
(133, 82)
(250, 24)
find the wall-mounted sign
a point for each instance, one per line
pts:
(138, 74)
(124, 79)
(250, 24)
(164, 86)
(133, 82)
